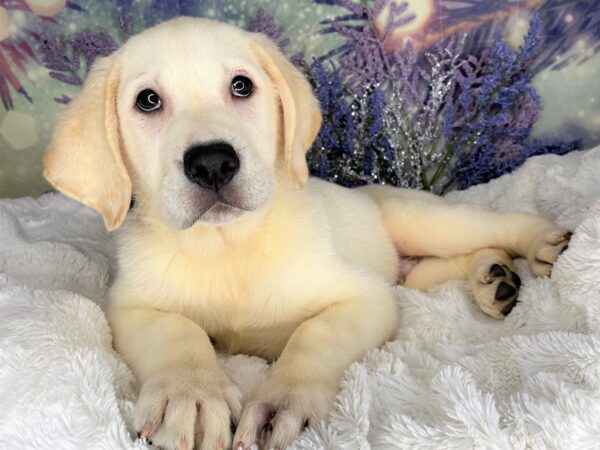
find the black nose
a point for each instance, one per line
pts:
(212, 165)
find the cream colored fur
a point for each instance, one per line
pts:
(301, 276)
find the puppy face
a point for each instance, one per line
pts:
(199, 120)
(195, 117)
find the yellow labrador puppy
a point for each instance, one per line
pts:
(231, 247)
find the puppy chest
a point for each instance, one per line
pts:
(238, 297)
(226, 296)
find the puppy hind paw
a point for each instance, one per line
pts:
(546, 250)
(496, 290)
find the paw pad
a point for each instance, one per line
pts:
(505, 291)
(497, 290)
(502, 271)
(496, 271)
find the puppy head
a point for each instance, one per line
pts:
(194, 117)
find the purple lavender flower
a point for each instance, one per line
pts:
(63, 55)
(364, 57)
(441, 120)
(265, 23)
(348, 148)
(497, 108)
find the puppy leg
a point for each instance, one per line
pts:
(490, 273)
(186, 399)
(432, 271)
(305, 379)
(422, 224)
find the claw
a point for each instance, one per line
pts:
(265, 433)
(566, 237)
(147, 430)
(508, 308)
(184, 445)
(252, 447)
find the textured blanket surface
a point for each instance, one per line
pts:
(453, 377)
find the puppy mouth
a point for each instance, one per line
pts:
(220, 211)
(220, 206)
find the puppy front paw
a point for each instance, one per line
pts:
(277, 412)
(546, 246)
(182, 409)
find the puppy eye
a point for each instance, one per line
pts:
(241, 86)
(148, 101)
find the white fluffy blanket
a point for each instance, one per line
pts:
(453, 378)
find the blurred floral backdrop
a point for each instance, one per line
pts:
(433, 94)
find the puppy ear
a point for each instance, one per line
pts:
(84, 157)
(300, 109)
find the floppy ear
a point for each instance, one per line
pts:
(84, 157)
(300, 109)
